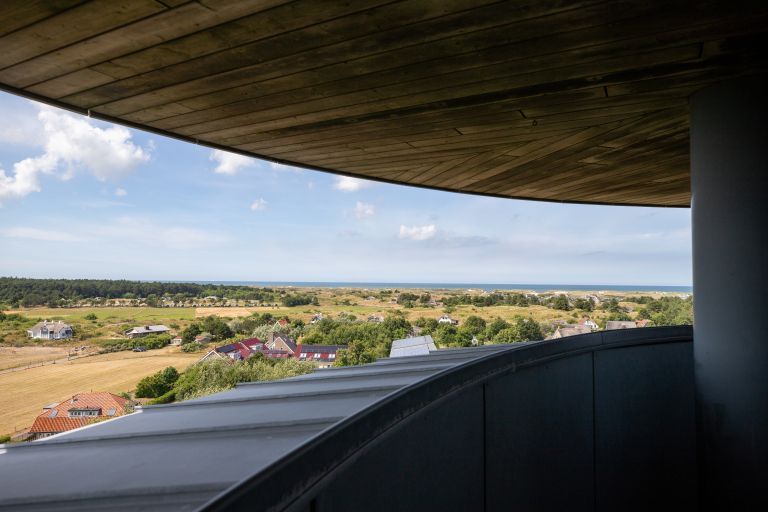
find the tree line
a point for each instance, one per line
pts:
(15, 291)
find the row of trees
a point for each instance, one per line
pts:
(52, 292)
(477, 329)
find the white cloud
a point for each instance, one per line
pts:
(347, 184)
(121, 192)
(41, 234)
(418, 232)
(229, 163)
(364, 210)
(72, 144)
(259, 204)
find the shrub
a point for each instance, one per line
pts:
(4, 439)
(157, 384)
(208, 377)
(90, 316)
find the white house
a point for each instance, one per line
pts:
(48, 330)
(445, 319)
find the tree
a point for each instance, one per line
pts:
(157, 384)
(561, 302)
(583, 304)
(474, 325)
(495, 328)
(188, 335)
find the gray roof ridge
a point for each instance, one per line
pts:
(284, 425)
(282, 397)
(348, 375)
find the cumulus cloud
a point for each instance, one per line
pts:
(364, 210)
(347, 184)
(121, 192)
(418, 232)
(259, 204)
(229, 163)
(72, 144)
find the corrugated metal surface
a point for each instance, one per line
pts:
(416, 346)
(177, 456)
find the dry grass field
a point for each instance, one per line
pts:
(13, 357)
(25, 392)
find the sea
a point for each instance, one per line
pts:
(461, 286)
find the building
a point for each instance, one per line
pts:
(322, 355)
(589, 323)
(146, 330)
(49, 330)
(446, 319)
(416, 346)
(612, 325)
(569, 330)
(78, 411)
(178, 340)
(642, 104)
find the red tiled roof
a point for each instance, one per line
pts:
(57, 418)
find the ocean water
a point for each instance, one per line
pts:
(462, 286)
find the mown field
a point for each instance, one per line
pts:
(25, 392)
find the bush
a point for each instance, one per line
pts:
(157, 384)
(208, 377)
(90, 316)
(195, 346)
(4, 439)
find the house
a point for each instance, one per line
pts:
(146, 330)
(281, 324)
(203, 338)
(589, 323)
(244, 349)
(612, 325)
(417, 346)
(178, 340)
(48, 330)
(563, 331)
(446, 319)
(322, 355)
(78, 411)
(279, 341)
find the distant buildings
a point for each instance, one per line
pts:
(279, 346)
(78, 411)
(146, 330)
(48, 330)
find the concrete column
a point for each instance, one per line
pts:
(729, 181)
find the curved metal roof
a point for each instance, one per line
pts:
(582, 101)
(178, 456)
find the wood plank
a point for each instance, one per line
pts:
(71, 26)
(164, 26)
(17, 14)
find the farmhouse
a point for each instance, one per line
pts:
(146, 330)
(48, 330)
(78, 411)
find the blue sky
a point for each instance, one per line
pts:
(81, 198)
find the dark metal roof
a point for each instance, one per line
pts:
(175, 457)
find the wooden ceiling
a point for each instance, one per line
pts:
(578, 101)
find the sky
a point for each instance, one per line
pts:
(80, 198)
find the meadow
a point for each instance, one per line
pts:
(25, 392)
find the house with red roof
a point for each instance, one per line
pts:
(78, 411)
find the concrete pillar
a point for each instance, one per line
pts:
(729, 181)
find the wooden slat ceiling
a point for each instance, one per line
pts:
(578, 101)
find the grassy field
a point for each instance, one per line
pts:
(25, 392)
(13, 357)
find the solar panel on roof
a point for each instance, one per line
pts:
(111, 412)
(54, 413)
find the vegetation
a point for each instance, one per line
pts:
(24, 292)
(217, 375)
(150, 342)
(157, 384)
(667, 311)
